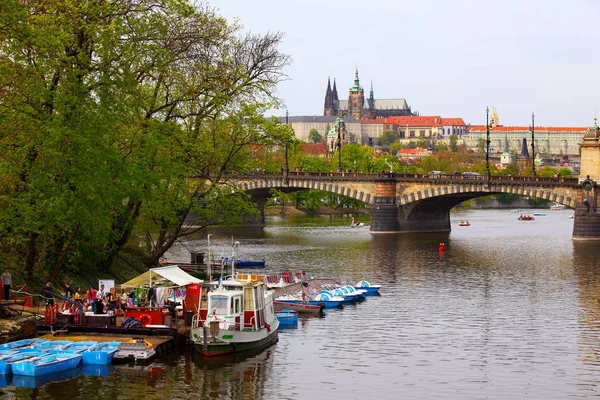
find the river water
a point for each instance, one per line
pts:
(510, 310)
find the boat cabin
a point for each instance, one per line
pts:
(236, 306)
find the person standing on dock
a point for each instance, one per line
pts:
(49, 294)
(6, 282)
(68, 292)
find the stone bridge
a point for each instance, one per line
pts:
(422, 203)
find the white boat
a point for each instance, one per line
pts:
(239, 317)
(136, 349)
(557, 206)
(539, 214)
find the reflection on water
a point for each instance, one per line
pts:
(509, 310)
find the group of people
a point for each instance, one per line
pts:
(98, 301)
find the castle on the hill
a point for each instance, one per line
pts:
(360, 108)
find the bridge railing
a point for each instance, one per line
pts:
(369, 176)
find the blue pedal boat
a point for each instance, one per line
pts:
(6, 362)
(287, 318)
(325, 303)
(47, 364)
(101, 353)
(372, 290)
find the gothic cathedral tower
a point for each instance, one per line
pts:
(328, 109)
(356, 99)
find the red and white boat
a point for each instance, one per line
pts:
(239, 317)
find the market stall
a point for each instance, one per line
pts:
(154, 294)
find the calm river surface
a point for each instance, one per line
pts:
(511, 310)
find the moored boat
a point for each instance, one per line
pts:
(464, 223)
(137, 349)
(250, 263)
(287, 318)
(101, 353)
(51, 345)
(6, 362)
(238, 318)
(372, 290)
(16, 344)
(46, 364)
(76, 347)
(299, 307)
(539, 214)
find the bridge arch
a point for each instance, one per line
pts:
(261, 187)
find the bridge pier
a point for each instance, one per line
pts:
(587, 218)
(385, 209)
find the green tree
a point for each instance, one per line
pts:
(314, 136)
(387, 138)
(441, 147)
(481, 146)
(453, 145)
(396, 147)
(116, 117)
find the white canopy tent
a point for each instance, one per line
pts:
(167, 277)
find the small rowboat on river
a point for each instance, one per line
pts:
(76, 347)
(287, 318)
(46, 364)
(299, 308)
(102, 353)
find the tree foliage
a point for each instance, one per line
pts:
(118, 117)
(314, 136)
(387, 138)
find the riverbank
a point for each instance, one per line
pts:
(291, 211)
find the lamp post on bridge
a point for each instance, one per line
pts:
(533, 143)
(286, 169)
(339, 143)
(487, 143)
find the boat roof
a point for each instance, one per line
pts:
(170, 276)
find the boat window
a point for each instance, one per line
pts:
(248, 298)
(237, 303)
(220, 303)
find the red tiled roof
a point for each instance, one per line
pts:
(418, 150)
(314, 148)
(453, 121)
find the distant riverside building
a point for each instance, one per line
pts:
(359, 107)
(366, 131)
(548, 140)
(429, 128)
(412, 155)
(302, 125)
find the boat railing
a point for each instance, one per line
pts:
(197, 321)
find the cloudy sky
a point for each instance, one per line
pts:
(445, 57)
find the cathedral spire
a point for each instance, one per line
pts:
(371, 93)
(335, 95)
(328, 107)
